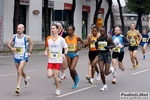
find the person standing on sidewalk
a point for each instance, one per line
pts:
(134, 38)
(118, 52)
(54, 46)
(73, 54)
(63, 34)
(20, 41)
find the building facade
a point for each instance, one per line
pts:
(58, 11)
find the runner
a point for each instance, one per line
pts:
(64, 64)
(93, 52)
(118, 52)
(88, 77)
(73, 54)
(134, 38)
(104, 43)
(144, 42)
(21, 55)
(54, 46)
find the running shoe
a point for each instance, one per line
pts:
(26, 81)
(144, 57)
(133, 67)
(63, 77)
(75, 86)
(91, 81)
(88, 77)
(58, 92)
(77, 78)
(123, 69)
(17, 90)
(137, 64)
(104, 88)
(98, 77)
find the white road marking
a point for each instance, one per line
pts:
(4, 75)
(140, 72)
(66, 94)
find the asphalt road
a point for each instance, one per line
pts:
(42, 88)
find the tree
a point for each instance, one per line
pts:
(121, 16)
(109, 12)
(16, 15)
(98, 6)
(46, 19)
(140, 7)
(71, 18)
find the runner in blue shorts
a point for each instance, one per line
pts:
(21, 55)
(144, 42)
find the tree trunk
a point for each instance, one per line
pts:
(71, 19)
(46, 19)
(140, 23)
(121, 17)
(98, 6)
(16, 15)
(108, 13)
(112, 20)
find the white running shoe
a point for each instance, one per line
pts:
(58, 92)
(104, 88)
(63, 77)
(98, 77)
(26, 81)
(91, 81)
(17, 90)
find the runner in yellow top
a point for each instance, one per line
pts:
(134, 38)
(73, 54)
(93, 53)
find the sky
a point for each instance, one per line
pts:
(121, 1)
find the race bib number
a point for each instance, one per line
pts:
(71, 47)
(54, 55)
(132, 41)
(101, 45)
(19, 51)
(92, 45)
(144, 40)
(116, 49)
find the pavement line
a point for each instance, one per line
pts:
(4, 75)
(66, 94)
(140, 72)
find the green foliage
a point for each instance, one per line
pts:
(136, 5)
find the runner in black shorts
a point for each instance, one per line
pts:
(134, 38)
(104, 43)
(93, 52)
(118, 52)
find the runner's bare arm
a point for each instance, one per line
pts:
(87, 42)
(112, 43)
(30, 42)
(10, 42)
(140, 36)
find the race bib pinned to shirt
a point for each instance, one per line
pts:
(101, 45)
(54, 55)
(71, 47)
(144, 40)
(116, 49)
(132, 41)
